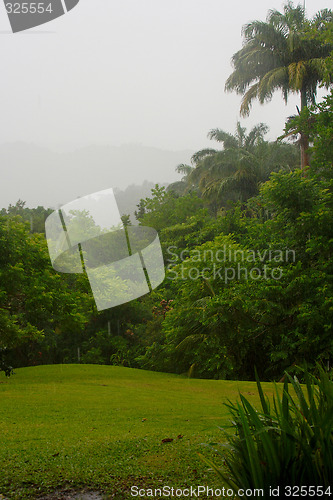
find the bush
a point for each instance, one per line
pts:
(4, 365)
(289, 444)
(93, 357)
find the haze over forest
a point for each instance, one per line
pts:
(115, 94)
(41, 176)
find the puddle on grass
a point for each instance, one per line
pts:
(73, 495)
(88, 496)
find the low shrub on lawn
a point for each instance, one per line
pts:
(288, 443)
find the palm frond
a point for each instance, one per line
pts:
(189, 341)
(200, 155)
(219, 135)
(249, 96)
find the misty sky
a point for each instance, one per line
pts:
(147, 72)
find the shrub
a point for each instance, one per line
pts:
(93, 357)
(4, 365)
(289, 443)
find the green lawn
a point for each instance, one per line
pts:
(101, 427)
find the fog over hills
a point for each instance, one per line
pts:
(41, 176)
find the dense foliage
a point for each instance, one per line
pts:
(250, 286)
(247, 241)
(257, 290)
(39, 308)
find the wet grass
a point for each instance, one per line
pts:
(101, 427)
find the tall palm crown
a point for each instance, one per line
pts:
(277, 55)
(235, 172)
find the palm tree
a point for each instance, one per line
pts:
(235, 172)
(278, 54)
(180, 188)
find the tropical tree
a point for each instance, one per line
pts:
(235, 172)
(279, 54)
(183, 186)
(37, 305)
(317, 121)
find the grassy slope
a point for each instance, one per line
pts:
(82, 425)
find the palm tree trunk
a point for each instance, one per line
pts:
(304, 141)
(304, 155)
